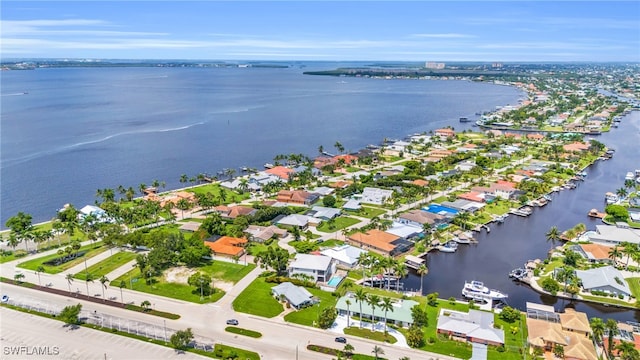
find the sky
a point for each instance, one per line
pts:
(537, 31)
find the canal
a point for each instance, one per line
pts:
(511, 244)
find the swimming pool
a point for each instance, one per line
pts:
(334, 281)
(439, 209)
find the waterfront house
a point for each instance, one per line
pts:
(98, 213)
(444, 133)
(232, 212)
(376, 196)
(613, 235)
(344, 255)
(593, 253)
(421, 217)
(297, 220)
(376, 240)
(280, 171)
(400, 314)
(464, 205)
(300, 197)
(607, 279)
(226, 245)
(318, 267)
(576, 146)
(475, 326)
(297, 296)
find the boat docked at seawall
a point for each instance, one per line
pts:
(450, 246)
(518, 273)
(611, 198)
(477, 291)
(464, 119)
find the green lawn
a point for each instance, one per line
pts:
(107, 265)
(331, 243)
(515, 339)
(241, 331)
(309, 316)
(226, 271)
(367, 212)
(366, 333)
(160, 286)
(339, 224)
(256, 299)
(91, 251)
(634, 285)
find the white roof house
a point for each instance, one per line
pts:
(475, 326)
(607, 279)
(376, 196)
(295, 220)
(404, 230)
(346, 255)
(323, 190)
(319, 267)
(609, 234)
(352, 204)
(325, 213)
(297, 296)
(92, 210)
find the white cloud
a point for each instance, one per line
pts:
(443, 36)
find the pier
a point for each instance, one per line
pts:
(414, 262)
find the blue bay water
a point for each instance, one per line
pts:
(80, 129)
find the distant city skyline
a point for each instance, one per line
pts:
(502, 31)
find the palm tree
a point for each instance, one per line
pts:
(377, 351)
(121, 285)
(18, 277)
(553, 235)
(145, 304)
(184, 178)
(348, 303)
(373, 300)
(361, 297)
(629, 184)
(363, 261)
(614, 253)
(38, 271)
(629, 250)
(612, 328)
(622, 192)
(627, 351)
(69, 278)
(597, 327)
(422, 271)
(400, 271)
(89, 278)
(104, 280)
(386, 305)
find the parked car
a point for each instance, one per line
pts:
(340, 339)
(232, 322)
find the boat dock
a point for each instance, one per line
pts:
(523, 211)
(414, 262)
(596, 214)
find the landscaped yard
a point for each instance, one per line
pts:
(367, 212)
(256, 299)
(515, 339)
(368, 334)
(634, 285)
(160, 286)
(226, 271)
(309, 316)
(107, 265)
(90, 250)
(338, 224)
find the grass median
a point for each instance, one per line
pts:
(90, 251)
(107, 265)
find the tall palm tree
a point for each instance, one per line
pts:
(377, 350)
(614, 253)
(422, 271)
(627, 351)
(386, 305)
(629, 250)
(361, 297)
(400, 271)
(622, 192)
(121, 285)
(89, 278)
(348, 303)
(104, 280)
(69, 278)
(553, 235)
(39, 270)
(597, 327)
(373, 300)
(612, 329)
(363, 261)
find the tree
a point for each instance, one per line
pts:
(509, 314)
(39, 270)
(348, 303)
(69, 278)
(327, 317)
(20, 225)
(614, 253)
(374, 301)
(89, 278)
(202, 282)
(104, 280)
(622, 192)
(415, 336)
(348, 350)
(70, 314)
(339, 147)
(618, 212)
(275, 258)
(627, 351)
(146, 304)
(419, 316)
(629, 250)
(432, 299)
(121, 285)
(386, 305)
(329, 201)
(422, 271)
(183, 204)
(611, 326)
(377, 351)
(558, 351)
(361, 297)
(18, 277)
(553, 235)
(597, 327)
(181, 339)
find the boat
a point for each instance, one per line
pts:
(500, 219)
(268, 165)
(629, 176)
(462, 240)
(449, 247)
(477, 291)
(611, 198)
(518, 273)
(464, 119)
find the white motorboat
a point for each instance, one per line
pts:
(477, 291)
